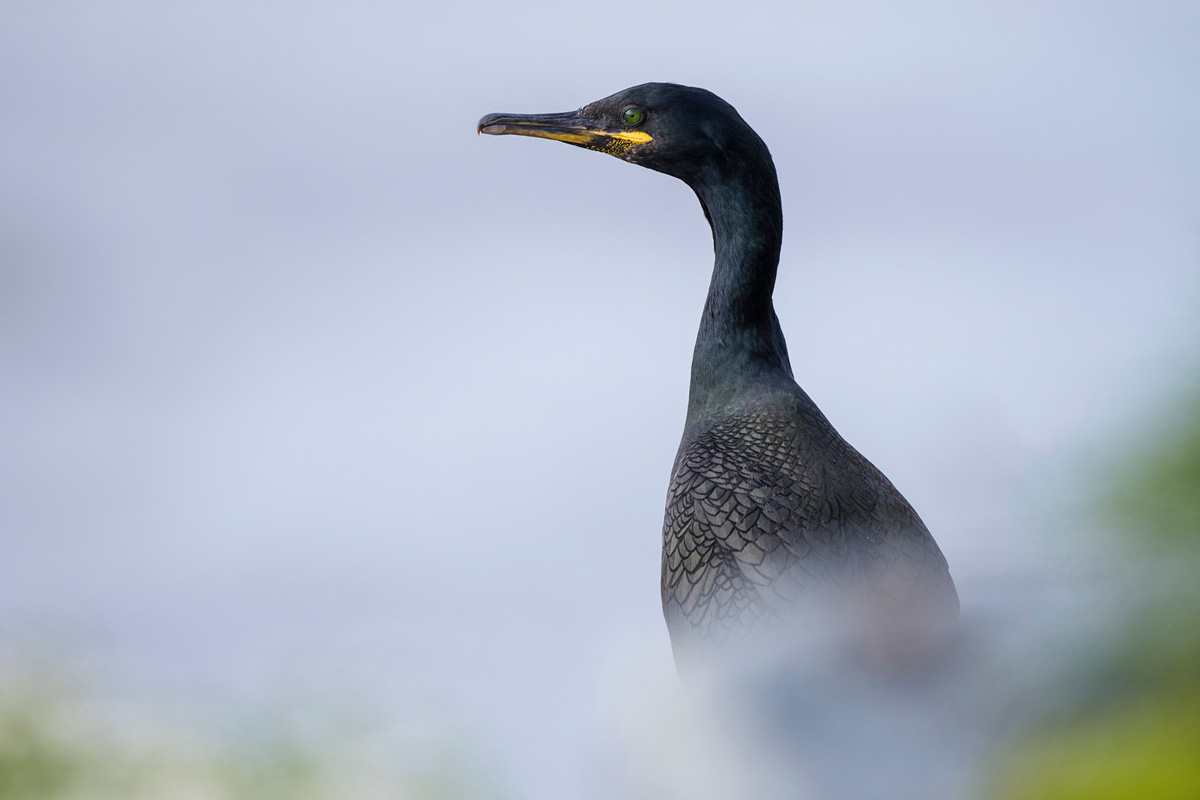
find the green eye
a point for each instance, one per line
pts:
(633, 115)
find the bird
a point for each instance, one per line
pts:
(768, 507)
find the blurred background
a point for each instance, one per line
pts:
(334, 439)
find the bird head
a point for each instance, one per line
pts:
(682, 131)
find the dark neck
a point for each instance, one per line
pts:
(740, 342)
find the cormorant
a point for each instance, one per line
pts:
(767, 504)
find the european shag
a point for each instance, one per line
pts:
(767, 504)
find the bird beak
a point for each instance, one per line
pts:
(570, 127)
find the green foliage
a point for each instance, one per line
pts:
(55, 744)
(1158, 495)
(1137, 735)
(39, 756)
(1145, 749)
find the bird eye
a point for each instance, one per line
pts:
(633, 115)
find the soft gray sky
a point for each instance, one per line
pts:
(304, 384)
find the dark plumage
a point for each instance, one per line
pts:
(767, 504)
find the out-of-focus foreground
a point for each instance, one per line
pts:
(1125, 728)
(1134, 731)
(59, 741)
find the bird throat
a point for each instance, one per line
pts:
(740, 347)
